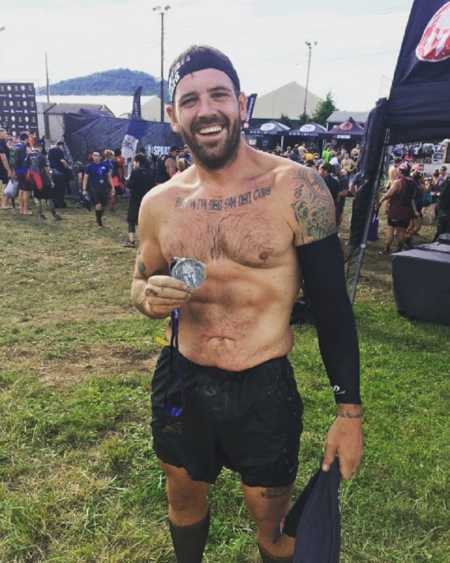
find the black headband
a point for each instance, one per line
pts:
(200, 61)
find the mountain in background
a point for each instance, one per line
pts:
(117, 82)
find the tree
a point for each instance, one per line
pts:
(304, 118)
(324, 109)
(285, 120)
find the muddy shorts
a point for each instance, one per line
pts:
(206, 418)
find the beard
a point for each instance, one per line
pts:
(216, 155)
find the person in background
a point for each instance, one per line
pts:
(21, 170)
(60, 173)
(108, 157)
(326, 153)
(98, 174)
(167, 166)
(443, 211)
(326, 171)
(344, 180)
(40, 179)
(417, 221)
(118, 172)
(443, 175)
(401, 208)
(181, 165)
(141, 180)
(6, 172)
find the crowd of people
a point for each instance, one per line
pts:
(28, 171)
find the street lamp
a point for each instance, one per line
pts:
(2, 28)
(162, 11)
(310, 46)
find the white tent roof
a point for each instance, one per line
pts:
(151, 109)
(288, 100)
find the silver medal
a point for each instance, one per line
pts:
(190, 271)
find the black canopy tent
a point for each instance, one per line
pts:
(269, 133)
(348, 131)
(86, 132)
(418, 109)
(309, 131)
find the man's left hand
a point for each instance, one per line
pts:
(345, 440)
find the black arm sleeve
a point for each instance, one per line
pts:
(322, 266)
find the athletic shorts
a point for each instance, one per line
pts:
(248, 421)
(100, 195)
(23, 183)
(398, 223)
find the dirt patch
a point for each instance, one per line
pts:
(75, 368)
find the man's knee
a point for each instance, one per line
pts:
(185, 496)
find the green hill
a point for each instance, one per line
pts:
(119, 82)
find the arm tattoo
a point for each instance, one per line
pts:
(276, 492)
(141, 268)
(313, 207)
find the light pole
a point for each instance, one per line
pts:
(162, 11)
(2, 28)
(308, 72)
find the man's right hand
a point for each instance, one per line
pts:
(163, 294)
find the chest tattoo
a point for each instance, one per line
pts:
(223, 204)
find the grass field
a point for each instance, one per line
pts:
(78, 479)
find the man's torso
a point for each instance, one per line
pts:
(240, 316)
(98, 174)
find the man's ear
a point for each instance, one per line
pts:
(171, 114)
(242, 106)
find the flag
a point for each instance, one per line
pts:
(419, 104)
(251, 100)
(136, 112)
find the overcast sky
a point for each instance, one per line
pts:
(358, 40)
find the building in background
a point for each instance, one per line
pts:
(289, 101)
(51, 117)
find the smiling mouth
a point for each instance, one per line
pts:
(210, 131)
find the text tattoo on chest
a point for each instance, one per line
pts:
(223, 204)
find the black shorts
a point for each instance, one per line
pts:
(399, 223)
(100, 195)
(248, 421)
(23, 183)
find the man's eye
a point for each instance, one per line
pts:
(188, 101)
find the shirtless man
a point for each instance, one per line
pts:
(227, 395)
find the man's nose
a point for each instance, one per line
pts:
(206, 107)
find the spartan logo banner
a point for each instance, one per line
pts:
(18, 108)
(425, 53)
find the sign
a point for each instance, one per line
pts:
(308, 128)
(18, 111)
(266, 127)
(434, 46)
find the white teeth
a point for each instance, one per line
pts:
(207, 130)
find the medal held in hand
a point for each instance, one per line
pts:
(190, 271)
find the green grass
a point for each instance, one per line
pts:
(79, 481)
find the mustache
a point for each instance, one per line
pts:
(209, 122)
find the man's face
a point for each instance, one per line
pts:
(207, 113)
(96, 157)
(322, 172)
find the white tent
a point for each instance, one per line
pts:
(151, 109)
(288, 100)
